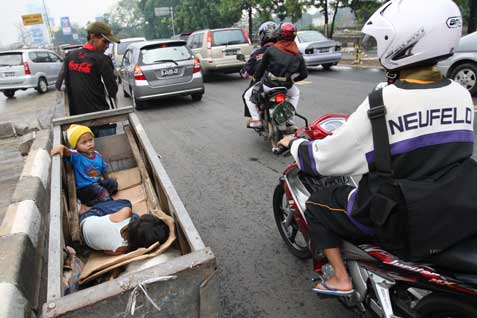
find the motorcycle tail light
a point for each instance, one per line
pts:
(138, 74)
(196, 65)
(280, 98)
(26, 67)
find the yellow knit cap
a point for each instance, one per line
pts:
(74, 132)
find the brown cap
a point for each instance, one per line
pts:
(103, 29)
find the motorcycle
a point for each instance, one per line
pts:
(275, 113)
(384, 285)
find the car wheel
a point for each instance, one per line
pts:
(42, 86)
(466, 75)
(9, 93)
(196, 96)
(327, 67)
(137, 104)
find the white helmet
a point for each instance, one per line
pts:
(411, 32)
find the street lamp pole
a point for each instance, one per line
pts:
(50, 34)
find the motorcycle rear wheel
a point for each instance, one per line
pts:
(445, 306)
(281, 210)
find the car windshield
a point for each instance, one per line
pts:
(311, 36)
(122, 46)
(228, 37)
(9, 59)
(164, 52)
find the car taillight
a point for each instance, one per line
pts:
(26, 67)
(138, 74)
(280, 98)
(196, 65)
(209, 40)
(245, 34)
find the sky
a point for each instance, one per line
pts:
(79, 11)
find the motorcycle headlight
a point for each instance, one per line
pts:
(331, 124)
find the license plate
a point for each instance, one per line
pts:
(231, 52)
(169, 71)
(324, 50)
(9, 74)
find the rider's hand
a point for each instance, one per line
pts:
(285, 141)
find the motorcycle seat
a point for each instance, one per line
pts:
(275, 90)
(461, 258)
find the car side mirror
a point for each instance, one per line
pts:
(241, 57)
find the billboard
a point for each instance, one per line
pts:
(65, 25)
(32, 19)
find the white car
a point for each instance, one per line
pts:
(28, 68)
(462, 66)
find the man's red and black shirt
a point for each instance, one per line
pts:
(84, 69)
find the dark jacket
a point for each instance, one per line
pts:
(256, 59)
(83, 71)
(281, 69)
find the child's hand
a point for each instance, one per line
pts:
(57, 150)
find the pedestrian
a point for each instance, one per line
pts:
(92, 182)
(89, 74)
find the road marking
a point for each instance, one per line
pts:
(304, 83)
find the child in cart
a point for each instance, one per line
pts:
(92, 182)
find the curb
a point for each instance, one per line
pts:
(23, 234)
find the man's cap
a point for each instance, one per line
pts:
(74, 132)
(103, 29)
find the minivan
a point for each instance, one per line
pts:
(28, 68)
(217, 49)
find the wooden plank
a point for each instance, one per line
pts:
(66, 219)
(113, 148)
(73, 205)
(177, 208)
(98, 122)
(107, 114)
(109, 299)
(209, 297)
(151, 193)
(56, 241)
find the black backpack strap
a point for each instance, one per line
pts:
(376, 114)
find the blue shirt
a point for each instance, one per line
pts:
(88, 169)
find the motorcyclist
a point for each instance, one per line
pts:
(429, 122)
(267, 37)
(282, 65)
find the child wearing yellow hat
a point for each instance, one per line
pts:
(92, 182)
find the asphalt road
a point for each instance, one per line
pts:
(226, 175)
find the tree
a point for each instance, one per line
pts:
(469, 13)
(126, 19)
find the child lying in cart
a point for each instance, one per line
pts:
(92, 182)
(112, 227)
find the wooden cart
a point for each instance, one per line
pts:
(185, 286)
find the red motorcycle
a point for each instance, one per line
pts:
(385, 286)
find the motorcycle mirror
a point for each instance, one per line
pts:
(304, 118)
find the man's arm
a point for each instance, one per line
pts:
(340, 154)
(107, 73)
(303, 71)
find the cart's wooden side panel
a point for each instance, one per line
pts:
(177, 297)
(175, 203)
(56, 239)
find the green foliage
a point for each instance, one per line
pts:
(126, 20)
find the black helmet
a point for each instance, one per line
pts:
(266, 32)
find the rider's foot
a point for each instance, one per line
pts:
(255, 124)
(333, 283)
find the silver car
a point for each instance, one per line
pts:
(28, 68)
(462, 66)
(160, 68)
(317, 49)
